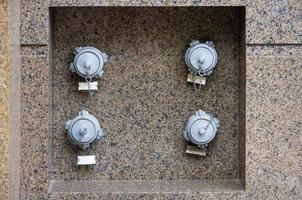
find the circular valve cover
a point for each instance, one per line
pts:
(84, 129)
(88, 62)
(201, 128)
(201, 58)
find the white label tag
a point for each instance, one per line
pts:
(88, 86)
(201, 80)
(86, 160)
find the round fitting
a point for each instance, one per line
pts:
(84, 129)
(201, 128)
(88, 62)
(201, 58)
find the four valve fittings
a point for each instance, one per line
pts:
(88, 63)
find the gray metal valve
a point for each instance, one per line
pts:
(201, 129)
(201, 58)
(84, 129)
(88, 62)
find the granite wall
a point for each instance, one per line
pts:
(4, 96)
(144, 100)
(273, 101)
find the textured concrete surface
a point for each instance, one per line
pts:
(144, 100)
(4, 95)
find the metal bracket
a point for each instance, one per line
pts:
(200, 80)
(195, 150)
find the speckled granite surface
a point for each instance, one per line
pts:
(267, 21)
(4, 97)
(34, 124)
(274, 121)
(274, 22)
(273, 106)
(272, 143)
(144, 100)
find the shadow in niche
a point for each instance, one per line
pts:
(144, 102)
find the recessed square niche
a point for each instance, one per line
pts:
(144, 100)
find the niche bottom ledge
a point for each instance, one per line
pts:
(144, 186)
